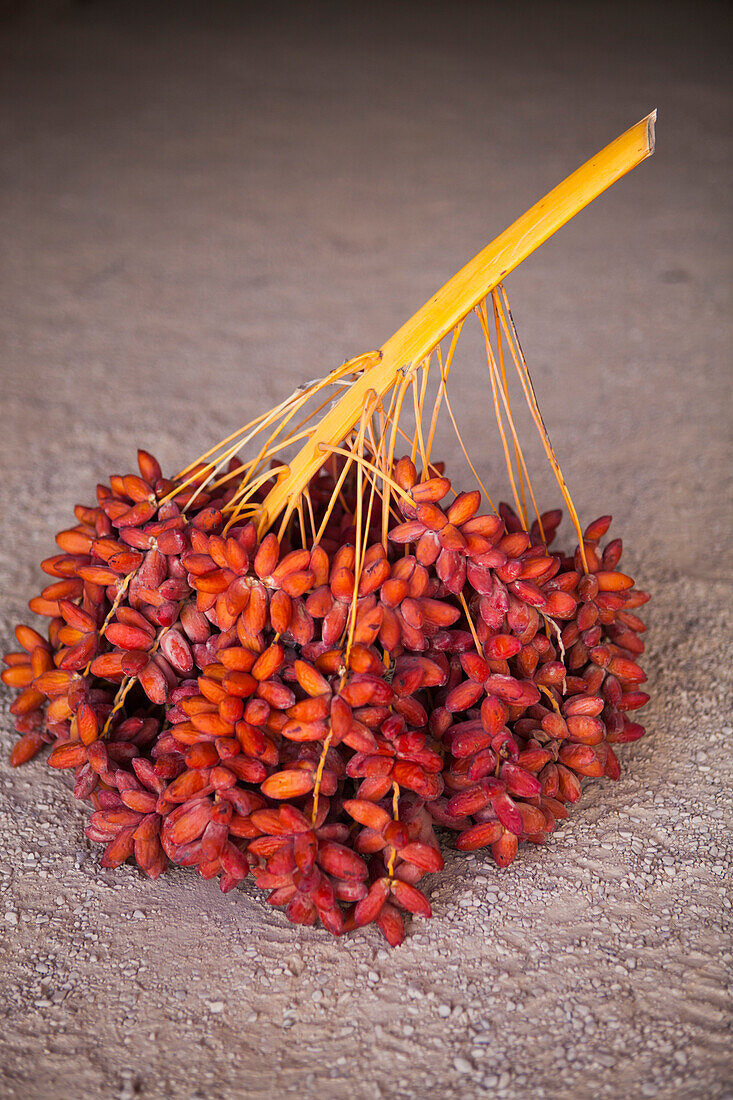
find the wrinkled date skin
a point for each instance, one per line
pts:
(308, 714)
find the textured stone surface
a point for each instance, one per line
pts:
(199, 212)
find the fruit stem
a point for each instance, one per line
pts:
(412, 343)
(396, 817)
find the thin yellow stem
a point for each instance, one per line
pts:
(550, 624)
(471, 627)
(248, 469)
(251, 488)
(434, 471)
(378, 454)
(401, 394)
(395, 817)
(300, 396)
(505, 445)
(319, 776)
(312, 518)
(120, 697)
(258, 425)
(519, 454)
(466, 455)
(111, 613)
(370, 466)
(531, 398)
(546, 691)
(229, 439)
(386, 464)
(500, 348)
(358, 553)
(441, 387)
(507, 402)
(301, 521)
(334, 497)
(398, 397)
(418, 401)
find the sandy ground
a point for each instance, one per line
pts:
(199, 211)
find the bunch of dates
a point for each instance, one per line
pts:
(309, 714)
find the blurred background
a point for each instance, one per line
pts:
(201, 206)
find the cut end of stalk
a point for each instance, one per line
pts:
(651, 122)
